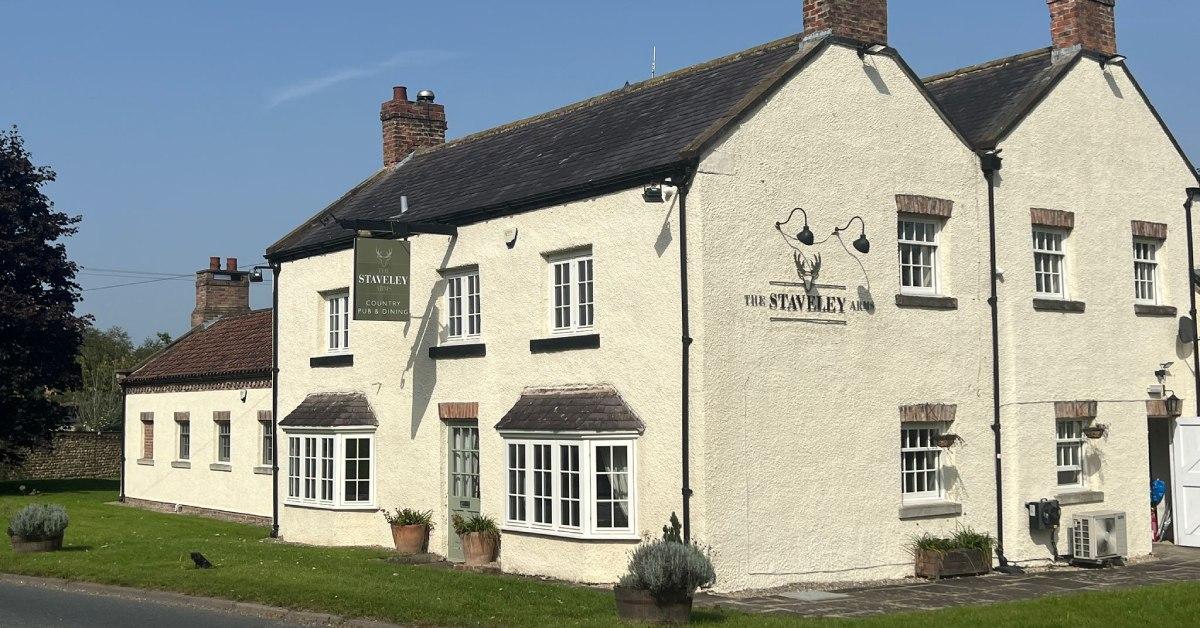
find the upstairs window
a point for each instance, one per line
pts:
(920, 462)
(1049, 264)
(918, 245)
(1069, 452)
(572, 294)
(1145, 271)
(337, 327)
(464, 317)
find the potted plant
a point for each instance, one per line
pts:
(1095, 431)
(38, 528)
(663, 576)
(946, 441)
(965, 553)
(480, 539)
(410, 529)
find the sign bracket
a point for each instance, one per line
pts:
(397, 228)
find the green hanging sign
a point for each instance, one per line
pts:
(381, 277)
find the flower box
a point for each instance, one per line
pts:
(935, 564)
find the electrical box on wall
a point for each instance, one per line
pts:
(1044, 514)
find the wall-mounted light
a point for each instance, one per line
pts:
(653, 193)
(870, 49)
(1113, 60)
(1174, 405)
(805, 236)
(862, 244)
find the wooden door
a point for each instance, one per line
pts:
(462, 482)
(1185, 453)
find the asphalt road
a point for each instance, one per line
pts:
(31, 606)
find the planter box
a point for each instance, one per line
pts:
(963, 562)
(411, 539)
(20, 545)
(639, 605)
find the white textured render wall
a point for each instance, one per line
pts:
(635, 250)
(239, 490)
(801, 421)
(1093, 147)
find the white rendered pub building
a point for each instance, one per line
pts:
(757, 293)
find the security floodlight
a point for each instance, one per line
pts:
(1115, 59)
(870, 49)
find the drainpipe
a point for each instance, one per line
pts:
(990, 161)
(125, 426)
(275, 400)
(684, 185)
(1192, 193)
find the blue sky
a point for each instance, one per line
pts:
(183, 130)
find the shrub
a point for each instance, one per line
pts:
(410, 517)
(39, 522)
(487, 525)
(669, 570)
(963, 538)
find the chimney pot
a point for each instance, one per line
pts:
(230, 263)
(865, 21)
(214, 263)
(1089, 24)
(400, 93)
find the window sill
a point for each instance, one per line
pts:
(220, 466)
(181, 464)
(149, 462)
(1145, 309)
(926, 510)
(927, 302)
(1058, 305)
(262, 470)
(331, 507)
(331, 360)
(578, 536)
(462, 350)
(564, 343)
(1068, 498)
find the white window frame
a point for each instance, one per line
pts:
(1043, 253)
(266, 443)
(183, 430)
(1145, 271)
(228, 425)
(587, 444)
(916, 245)
(336, 315)
(930, 447)
(1070, 440)
(464, 306)
(580, 296)
(298, 468)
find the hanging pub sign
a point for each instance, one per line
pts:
(381, 276)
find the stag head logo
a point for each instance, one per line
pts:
(385, 259)
(808, 268)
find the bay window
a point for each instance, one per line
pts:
(331, 469)
(571, 486)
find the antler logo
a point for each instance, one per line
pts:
(385, 259)
(809, 269)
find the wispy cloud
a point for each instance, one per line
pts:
(308, 87)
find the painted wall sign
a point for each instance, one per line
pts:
(381, 279)
(806, 300)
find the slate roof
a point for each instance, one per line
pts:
(571, 409)
(339, 409)
(232, 347)
(985, 100)
(623, 138)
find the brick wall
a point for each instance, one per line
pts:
(409, 125)
(71, 455)
(862, 20)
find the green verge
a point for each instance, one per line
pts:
(131, 547)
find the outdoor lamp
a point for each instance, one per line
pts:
(653, 193)
(1174, 405)
(862, 244)
(870, 49)
(806, 235)
(1112, 60)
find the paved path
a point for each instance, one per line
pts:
(1175, 564)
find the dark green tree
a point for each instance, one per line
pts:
(40, 333)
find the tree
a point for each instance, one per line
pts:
(97, 400)
(40, 333)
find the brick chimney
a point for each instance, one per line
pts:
(862, 20)
(220, 292)
(409, 125)
(1087, 23)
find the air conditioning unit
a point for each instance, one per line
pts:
(1098, 537)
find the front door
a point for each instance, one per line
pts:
(463, 482)
(1185, 452)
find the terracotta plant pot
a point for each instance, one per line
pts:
(479, 548)
(21, 545)
(640, 605)
(960, 562)
(410, 539)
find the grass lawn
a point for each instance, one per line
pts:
(127, 546)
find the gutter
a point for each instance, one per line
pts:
(684, 185)
(1192, 193)
(990, 162)
(275, 268)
